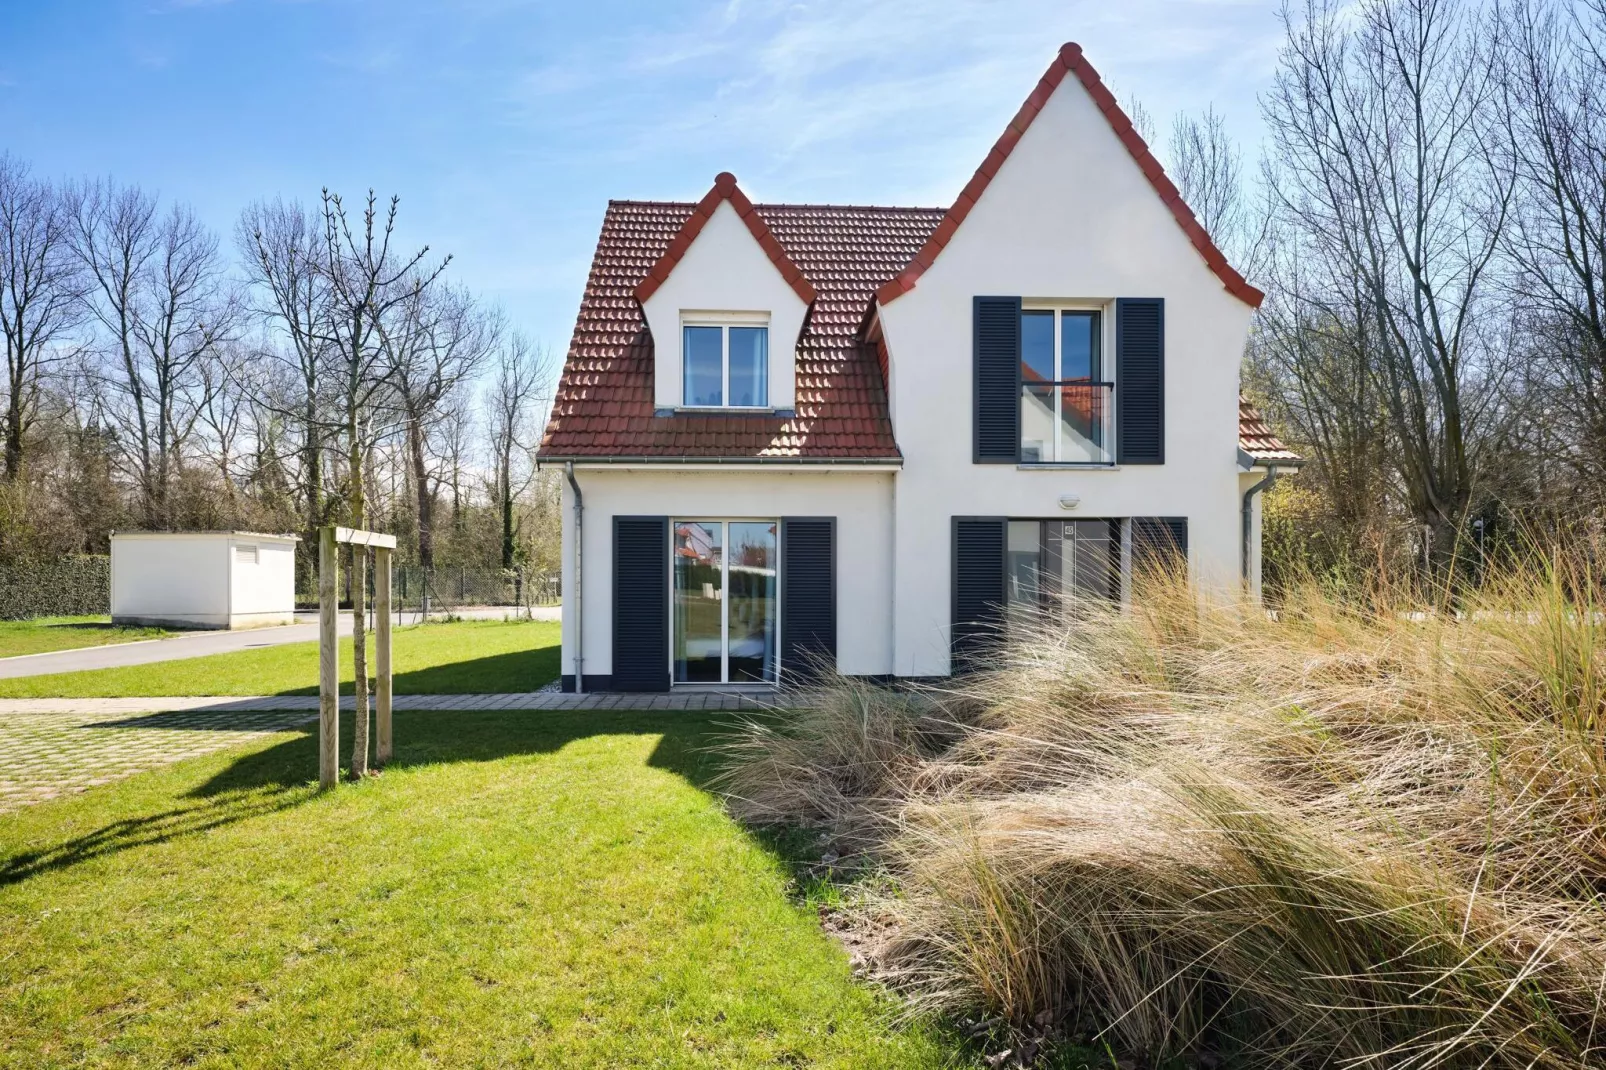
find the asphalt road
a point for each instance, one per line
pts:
(200, 644)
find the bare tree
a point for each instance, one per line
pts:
(1375, 117)
(522, 373)
(158, 291)
(368, 282)
(440, 341)
(40, 290)
(285, 246)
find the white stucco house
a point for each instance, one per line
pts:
(799, 434)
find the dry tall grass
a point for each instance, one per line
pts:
(1335, 837)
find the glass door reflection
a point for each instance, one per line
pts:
(726, 601)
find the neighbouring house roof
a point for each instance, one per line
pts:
(604, 405)
(1258, 440)
(1071, 61)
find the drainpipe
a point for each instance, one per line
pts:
(579, 603)
(1249, 515)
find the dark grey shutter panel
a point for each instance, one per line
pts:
(997, 385)
(640, 603)
(1140, 380)
(808, 596)
(1159, 542)
(978, 587)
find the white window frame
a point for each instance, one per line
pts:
(724, 590)
(1105, 310)
(725, 321)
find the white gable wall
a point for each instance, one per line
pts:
(725, 270)
(1069, 216)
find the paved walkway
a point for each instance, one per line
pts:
(200, 644)
(51, 747)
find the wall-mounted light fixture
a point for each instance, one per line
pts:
(1070, 501)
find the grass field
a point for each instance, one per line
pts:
(550, 890)
(44, 634)
(460, 657)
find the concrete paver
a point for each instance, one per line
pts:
(54, 746)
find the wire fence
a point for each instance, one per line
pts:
(416, 591)
(66, 587)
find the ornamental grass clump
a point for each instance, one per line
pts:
(1339, 834)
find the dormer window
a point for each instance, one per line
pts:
(725, 362)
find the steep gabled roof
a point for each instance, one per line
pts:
(604, 405)
(1071, 61)
(725, 189)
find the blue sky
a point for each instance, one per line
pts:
(506, 125)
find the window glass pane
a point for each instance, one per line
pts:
(1024, 574)
(1036, 423)
(699, 602)
(1037, 347)
(704, 369)
(1079, 345)
(1083, 409)
(749, 365)
(752, 602)
(1084, 564)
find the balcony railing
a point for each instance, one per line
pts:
(1067, 422)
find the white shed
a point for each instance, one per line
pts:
(203, 579)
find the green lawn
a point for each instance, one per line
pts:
(44, 634)
(516, 889)
(440, 659)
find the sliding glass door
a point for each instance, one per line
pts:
(726, 601)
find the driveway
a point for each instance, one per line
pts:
(200, 644)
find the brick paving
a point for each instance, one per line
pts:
(52, 747)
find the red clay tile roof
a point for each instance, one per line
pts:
(725, 189)
(604, 405)
(1071, 60)
(1258, 440)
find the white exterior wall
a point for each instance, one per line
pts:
(1069, 216)
(861, 501)
(725, 270)
(264, 592)
(192, 579)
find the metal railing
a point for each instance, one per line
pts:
(1067, 422)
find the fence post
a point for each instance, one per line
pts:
(382, 649)
(328, 660)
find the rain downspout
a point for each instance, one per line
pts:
(579, 603)
(1249, 515)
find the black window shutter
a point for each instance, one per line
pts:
(808, 596)
(997, 387)
(640, 603)
(1140, 380)
(1159, 542)
(978, 587)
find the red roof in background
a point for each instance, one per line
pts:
(1259, 440)
(604, 406)
(1071, 60)
(725, 189)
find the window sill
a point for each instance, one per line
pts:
(1067, 466)
(716, 410)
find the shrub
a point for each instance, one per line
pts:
(1327, 835)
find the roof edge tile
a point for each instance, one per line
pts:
(725, 189)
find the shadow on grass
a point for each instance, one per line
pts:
(282, 776)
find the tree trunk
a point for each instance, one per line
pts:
(505, 492)
(14, 435)
(426, 500)
(359, 590)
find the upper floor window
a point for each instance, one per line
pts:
(725, 365)
(1066, 400)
